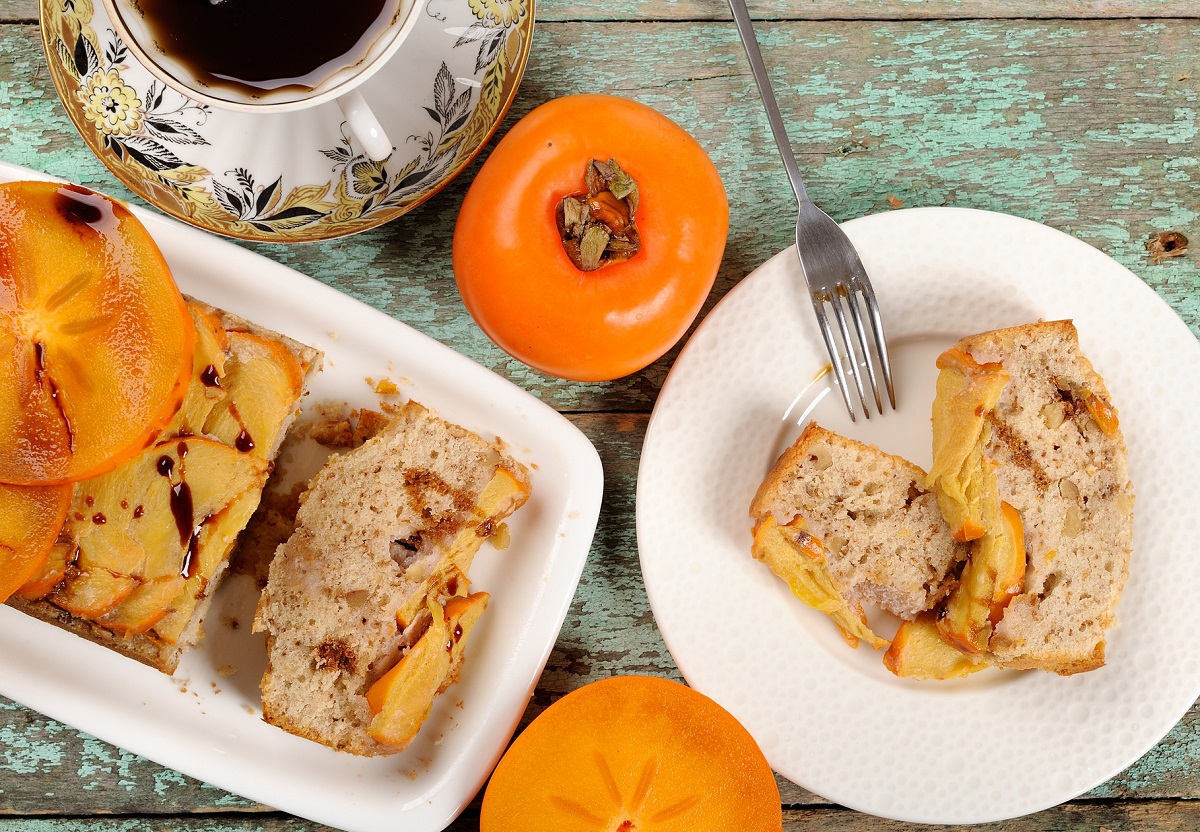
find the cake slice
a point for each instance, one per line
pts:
(1023, 423)
(145, 546)
(367, 605)
(845, 524)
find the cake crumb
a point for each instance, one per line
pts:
(333, 434)
(370, 423)
(386, 387)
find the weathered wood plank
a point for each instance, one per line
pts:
(1085, 126)
(552, 10)
(562, 10)
(1159, 815)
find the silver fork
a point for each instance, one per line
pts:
(835, 275)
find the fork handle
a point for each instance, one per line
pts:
(741, 16)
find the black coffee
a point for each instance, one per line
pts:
(259, 46)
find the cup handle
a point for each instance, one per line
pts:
(364, 126)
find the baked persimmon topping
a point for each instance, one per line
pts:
(95, 340)
(30, 519)
(966, 392)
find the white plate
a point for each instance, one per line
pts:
(997, 745)
(209, 726)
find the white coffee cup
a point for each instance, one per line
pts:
(340, 87)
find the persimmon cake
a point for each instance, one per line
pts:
(145, 546)
(1012, 552)
(367, 607)
(845, 524)
(1029, 463)
(137, 428)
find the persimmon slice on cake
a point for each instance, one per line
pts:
(95, 340)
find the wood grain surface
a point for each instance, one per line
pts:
(1088, 125)
(567, 10)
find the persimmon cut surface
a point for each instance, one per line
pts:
(95, 340)
(633, 754)
(30, 519)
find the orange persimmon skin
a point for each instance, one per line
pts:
(95, 339)
(519, 284)
(633, 753)
(30, 520)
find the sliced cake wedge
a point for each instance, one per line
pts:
(367, 605)
(145, 546)
(845, 524)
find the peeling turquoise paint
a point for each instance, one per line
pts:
(32, 751)
(165, 779)
(99, 758)
(1181, 130)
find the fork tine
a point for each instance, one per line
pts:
(852, 301)
(838, 299)
(868, 293)
(834, 359)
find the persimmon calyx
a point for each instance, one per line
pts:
(597, 228)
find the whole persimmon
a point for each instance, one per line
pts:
(30, 520)
(633, 754)
(95, 340)
(591, 237)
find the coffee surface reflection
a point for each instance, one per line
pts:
(257, 47)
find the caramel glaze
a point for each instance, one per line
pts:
(209, 377)
(80, 207)
(244, 441)
(182, 509)
(191, 560)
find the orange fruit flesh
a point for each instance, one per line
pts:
(30, 519)
(95, 340)
(635, 754)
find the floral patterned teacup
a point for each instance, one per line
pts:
(340, 87)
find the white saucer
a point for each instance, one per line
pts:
(294, 177)
(832, 719)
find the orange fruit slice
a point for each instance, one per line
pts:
(633, 754)
(30, 520)
(95, 340)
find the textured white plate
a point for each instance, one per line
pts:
(834, 720)
(209, 726)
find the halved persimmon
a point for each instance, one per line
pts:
(30, 520)
(633, 754)
(95, 340)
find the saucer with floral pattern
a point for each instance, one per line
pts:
(296, 176)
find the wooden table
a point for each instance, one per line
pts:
(1086, 122)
